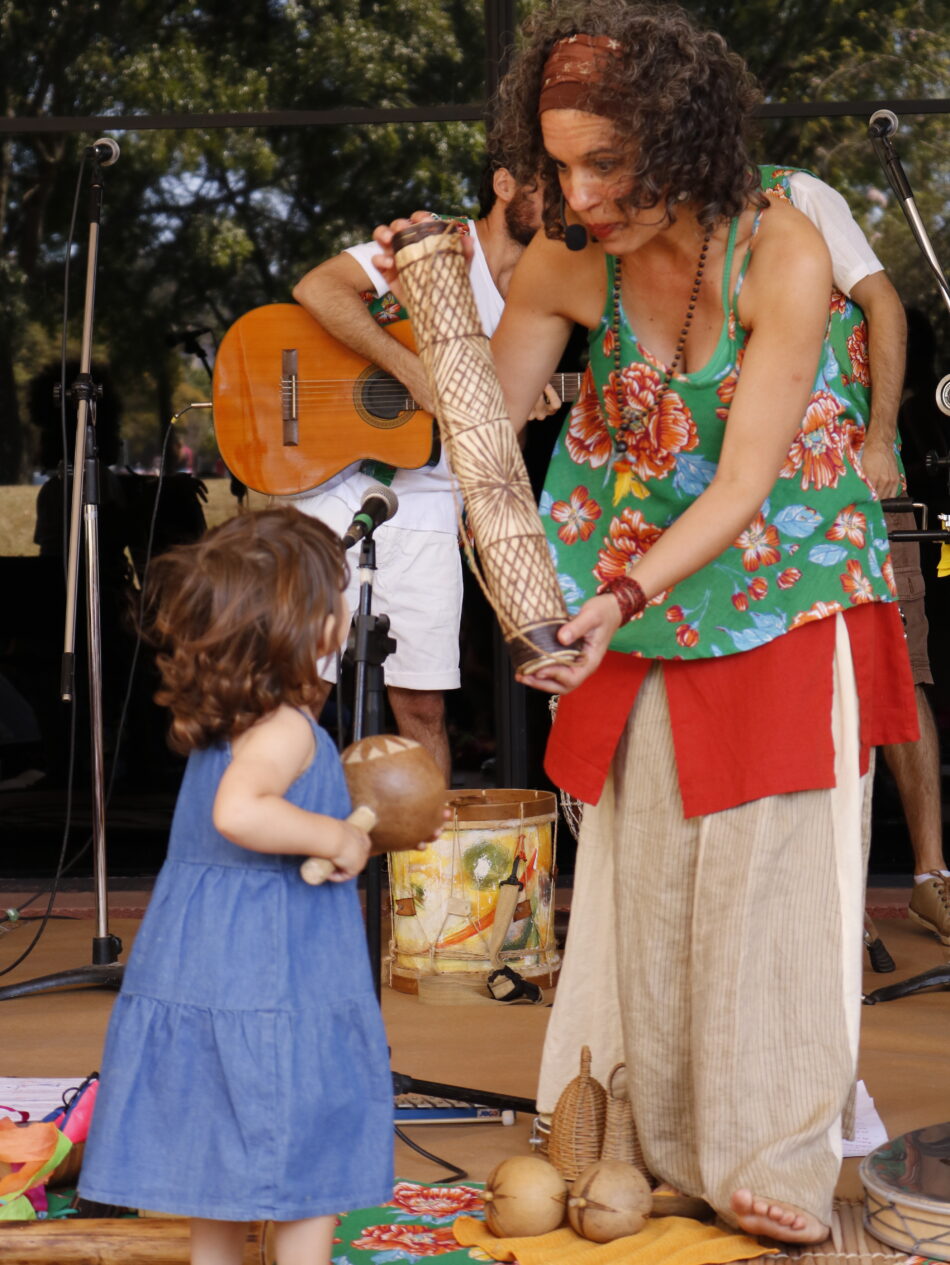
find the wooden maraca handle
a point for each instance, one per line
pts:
(316, 870)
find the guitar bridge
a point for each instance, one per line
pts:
(288, 397)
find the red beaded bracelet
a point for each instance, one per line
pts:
(629, 595)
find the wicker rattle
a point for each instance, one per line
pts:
(398, 793)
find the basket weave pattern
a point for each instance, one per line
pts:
(621, 1141)
(578, 1122)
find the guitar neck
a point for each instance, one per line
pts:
(567, 385)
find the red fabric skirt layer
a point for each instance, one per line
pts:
(745, 725)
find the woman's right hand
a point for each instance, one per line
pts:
(589, 632)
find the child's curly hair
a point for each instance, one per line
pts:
(238, 620)
(679, 99)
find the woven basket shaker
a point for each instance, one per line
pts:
(620, 1131)
(577, 1125)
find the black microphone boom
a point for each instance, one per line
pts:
(378, 505)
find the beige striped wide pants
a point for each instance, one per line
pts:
(720, 957)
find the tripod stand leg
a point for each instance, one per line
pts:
(881, 960)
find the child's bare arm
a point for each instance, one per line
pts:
(250, 809)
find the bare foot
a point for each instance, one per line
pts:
(778, 1220)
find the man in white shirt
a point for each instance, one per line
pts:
(418, 582)
(915, 766)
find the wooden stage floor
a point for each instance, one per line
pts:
(905, 1050)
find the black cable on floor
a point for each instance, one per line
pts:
(456, 1174)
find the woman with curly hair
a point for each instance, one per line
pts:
(726, 565)
(246, 1074)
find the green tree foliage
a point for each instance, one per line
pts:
(201, 224)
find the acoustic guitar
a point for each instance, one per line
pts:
(293, 406)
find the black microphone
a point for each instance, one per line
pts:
(882, 123)
(575, 235)
(105, 151)
(378, 505)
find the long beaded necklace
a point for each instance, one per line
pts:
(632, 416)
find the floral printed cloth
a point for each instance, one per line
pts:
(447, 1221)
(818, 544)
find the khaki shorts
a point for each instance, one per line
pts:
(905, 558)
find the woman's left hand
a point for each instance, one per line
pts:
(589, 632)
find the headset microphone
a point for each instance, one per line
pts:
(575, 235)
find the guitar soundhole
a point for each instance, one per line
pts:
(382, 400)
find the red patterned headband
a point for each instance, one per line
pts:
(573, 65)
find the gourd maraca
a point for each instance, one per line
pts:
(609, 1200)
(398, 796)
(524, 1195)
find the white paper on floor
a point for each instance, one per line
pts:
(869, 1131)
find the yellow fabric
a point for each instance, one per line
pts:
(943, 566)
(672, 1240)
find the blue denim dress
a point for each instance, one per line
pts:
(246, 1074)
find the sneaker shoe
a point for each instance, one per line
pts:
(930, 905)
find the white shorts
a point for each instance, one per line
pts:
(418, 584)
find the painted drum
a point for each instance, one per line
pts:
(907, 1192)
(444, 898)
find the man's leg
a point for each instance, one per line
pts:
(420, 714)
(915, 766)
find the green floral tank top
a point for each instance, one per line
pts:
(817, 545)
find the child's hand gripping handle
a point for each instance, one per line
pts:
(316, 870)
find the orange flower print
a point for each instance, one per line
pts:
(856, 584)
(588, 439)
(663, 429)
(788, 577)
(674, 614)
(887, 570)
(686, 635)
(610, 342)
(417, 1240)
(817, 448)
(759, 544)
(858, 352)
(726, 390)
(850, 524)
(577, 516)
(758, 588)
(436, 1201)
(839, 302)
(630, 537)
(820, 610)
(740, 601)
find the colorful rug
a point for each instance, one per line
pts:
(417, 1223)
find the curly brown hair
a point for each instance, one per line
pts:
(678, 98)
(238, 620)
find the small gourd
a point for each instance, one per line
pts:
(609, 1200)
(524, 1195)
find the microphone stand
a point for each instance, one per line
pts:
(368, 645)
(105, 970)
